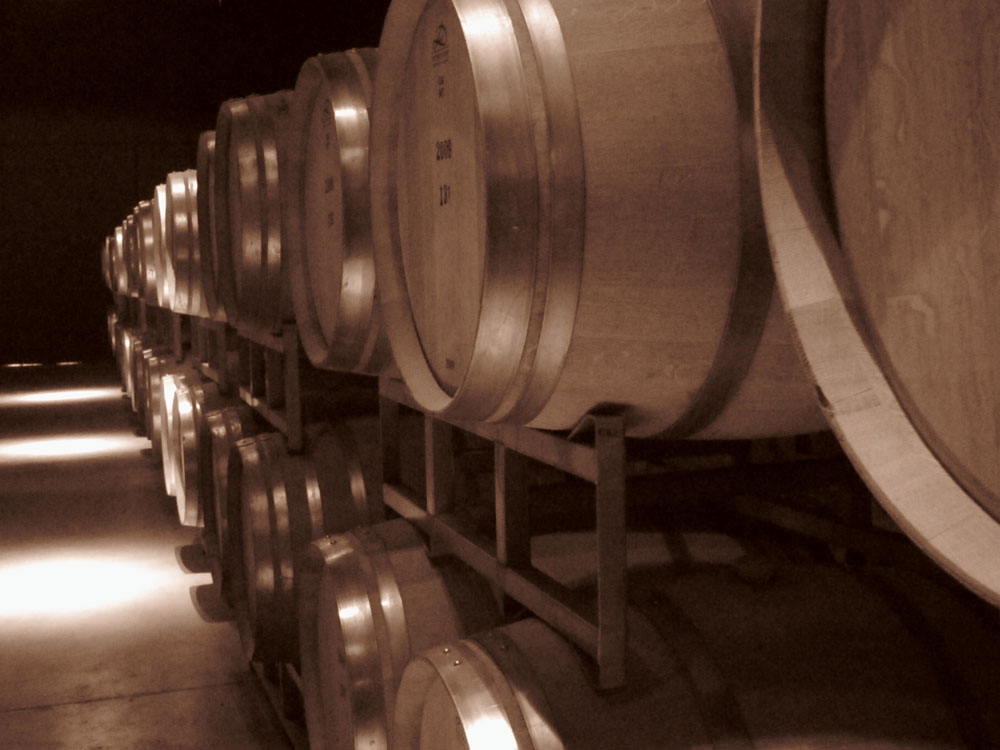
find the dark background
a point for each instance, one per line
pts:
(99, 99)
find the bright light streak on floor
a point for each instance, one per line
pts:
(20, 365)
(68, 364)
(70, 447)
(60, 396)
(76, 584)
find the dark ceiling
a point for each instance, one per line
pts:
(98, 100)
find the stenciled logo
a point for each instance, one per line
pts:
(439, 47)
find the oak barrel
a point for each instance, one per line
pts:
(155, 362)
(249, 147)
(146, 250)
(566, 215)
(164, 269)
(173, 377)
(191, 404)
(107, 263)
(813, 656)
(207, 247)
(875, 178)
(181, 238)
(331, 270)
(119, 268)
(367, 600)
(287, 502)
(224, 427)
(131, 253)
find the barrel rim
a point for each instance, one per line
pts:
(353, 341)
(230, 110)
(506, 313)
(205, 168)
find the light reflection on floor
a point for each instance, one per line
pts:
(70, 447)
(60, 396)
(71, 584)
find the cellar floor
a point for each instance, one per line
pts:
(101, 644)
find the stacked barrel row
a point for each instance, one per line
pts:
(548, 236)
(730, 642)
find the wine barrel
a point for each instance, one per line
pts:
(550, 238)
(137, 366)
(250, 142)
(145, 232)
(331, 271)
(207, 247)
(367, 600)
(118, 264)
(125, 363)
(181, 237)
(883, 253)
(223, 428)
(156, 360)
(130, 235)
(170, 382)
(107, 260)
(191, 403)
(332, 487)
(248, 459)
(112, 319)
(173, 377)
(140, 381)
(161, 255)
(811, 657)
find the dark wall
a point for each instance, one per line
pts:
(99, 99)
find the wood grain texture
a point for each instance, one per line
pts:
(207, 249)
(817, 287)
(913, 114)
(483, 323)
(370, 598)
(810, 658)
(250, 141)
(326, 215)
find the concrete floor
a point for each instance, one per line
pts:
(101, 645)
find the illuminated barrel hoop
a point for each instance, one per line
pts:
(189, 409)
(112, 319)
(145, 231)
(889, 278)
(125, 363)
(249, 146)
(328, 214)
(161, 254)
(137, 367)
(799, 660)
(119, 334)
(330, 488)
(181, 237)
(224, 428)
(140, 381)
(156, 360)
(549, 237)
(247, 465)
(107, 257)
(369, 599)
(118, 265)
(131, 237)
(172, 378)
(170, 382)
(207, 247)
